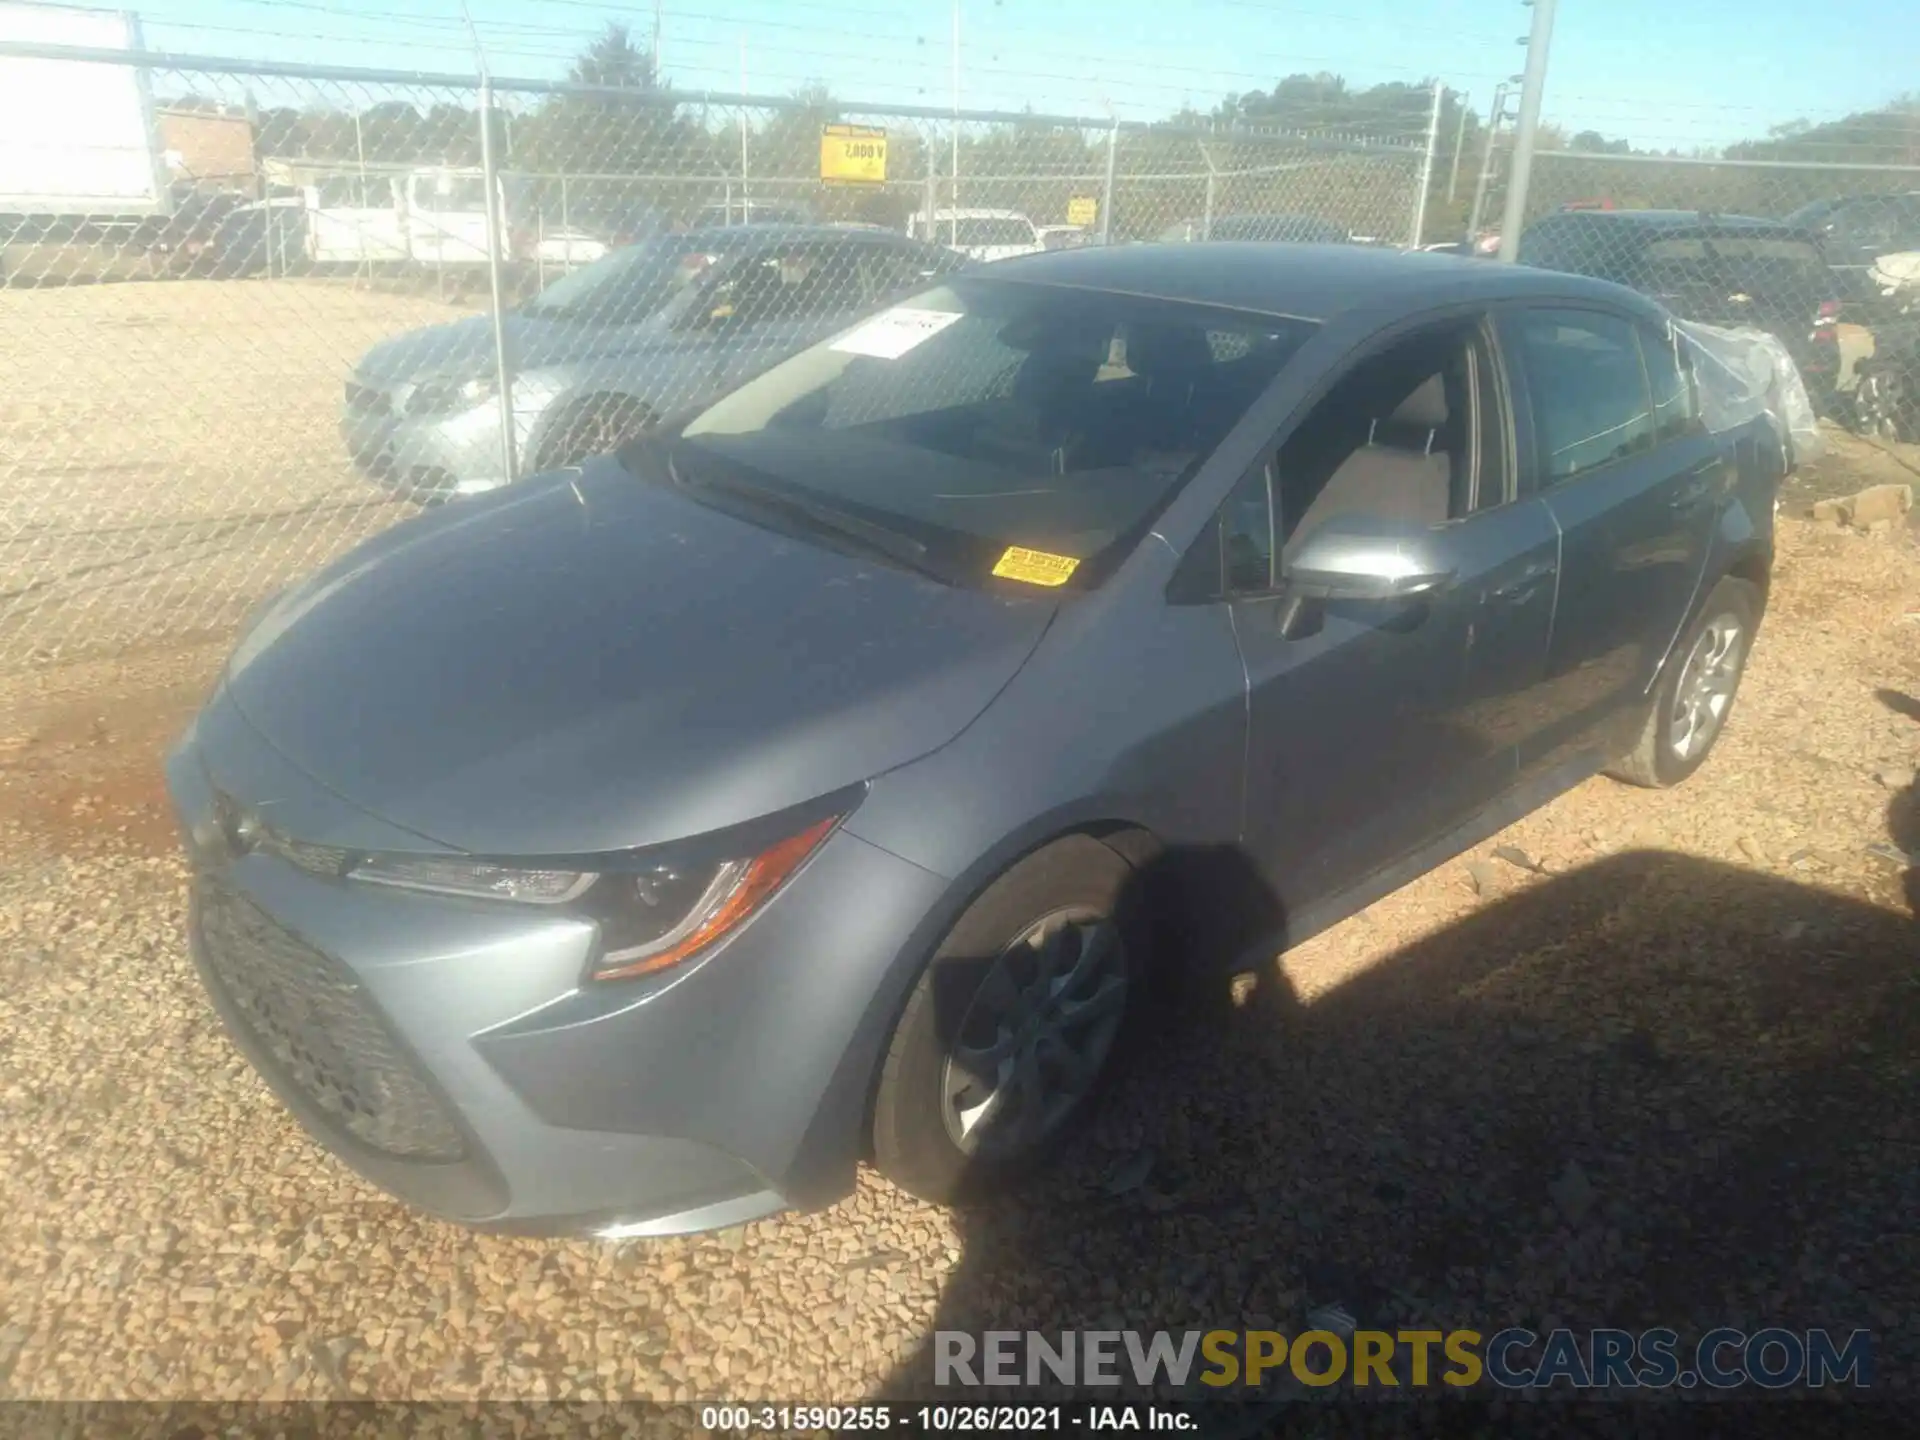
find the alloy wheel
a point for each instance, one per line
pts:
(1707, 683)
(1036, 1035)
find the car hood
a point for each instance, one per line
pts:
(464, 348)
(592, 661)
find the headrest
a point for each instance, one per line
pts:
(1424, 409)
(1167, 350)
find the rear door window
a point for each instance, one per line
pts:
(1587, 387)
(1676, 409)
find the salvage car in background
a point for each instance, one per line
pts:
(1733, 270)
(836, 771)
(1858, 232)
(606, 351)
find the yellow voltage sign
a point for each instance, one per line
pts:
(853, 155)
(1082, 210)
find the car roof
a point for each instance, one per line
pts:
(1306, 282)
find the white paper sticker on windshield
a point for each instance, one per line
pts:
(892, 333)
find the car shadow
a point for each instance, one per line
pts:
(1903, 811)
(1655, 1091)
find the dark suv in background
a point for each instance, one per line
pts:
(1732, 270)
(1856, 230)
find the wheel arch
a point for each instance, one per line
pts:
(566, 411)
(840, 1134)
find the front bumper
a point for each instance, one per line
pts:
(425, 457)
(448, 1050)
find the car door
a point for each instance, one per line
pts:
(1396, 721)
(1614, 446)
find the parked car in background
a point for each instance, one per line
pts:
(1857, 231)
(843, 770)
(1729, 270)
(1297, 229)
(751, 212)
(1064, 237)
(980, 235)
(610, 349)
(178, 241)
(262, 237)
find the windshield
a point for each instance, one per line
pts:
(623, 288)
(987, 415)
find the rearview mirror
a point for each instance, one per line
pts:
(1358, 558)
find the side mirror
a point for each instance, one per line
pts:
(1360, 558)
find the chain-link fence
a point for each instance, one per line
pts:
(323, 355)
(1825, 254)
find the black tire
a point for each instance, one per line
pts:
(1657, 761)
(914, 1139)
(1884, 403)
(594, 427)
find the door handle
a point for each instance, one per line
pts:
(1691, 496)
(1524, 586)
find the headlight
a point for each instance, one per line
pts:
(654, 909)
(444, 397)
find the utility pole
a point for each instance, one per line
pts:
(1532, 82)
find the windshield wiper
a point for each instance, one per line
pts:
(876, 539)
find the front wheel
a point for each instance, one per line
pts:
(1695, 695)
(1013, 1026)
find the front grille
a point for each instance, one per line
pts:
(363, 400)
(307, 1012)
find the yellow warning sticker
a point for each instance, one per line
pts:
(1036, 567)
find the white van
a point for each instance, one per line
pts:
(354, 219)
(447, 217)
(979, 234)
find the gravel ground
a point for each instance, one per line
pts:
(169, 453)
(1642, 1059)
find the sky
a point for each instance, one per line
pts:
(1659, 73)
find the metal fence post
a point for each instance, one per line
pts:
(1106, 191)
(1426, 169)
(1459, 140)
(1206, 216)
(1532, 81)
(496, 279)
(1495, 115)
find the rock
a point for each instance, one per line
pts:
(1483, 875)
(1572, 1193)
(1879, 503)
(1130, 1174)
(1518, 858)
(1898, 778)
(1751, 848)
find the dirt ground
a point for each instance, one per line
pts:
(1645, 1058)
(170, 452)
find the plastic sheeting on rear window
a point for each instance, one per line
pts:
(1743, 373)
